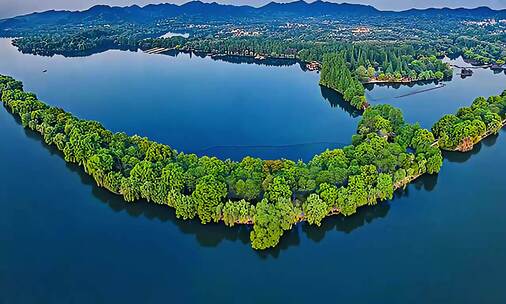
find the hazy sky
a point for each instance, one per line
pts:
(10, 8)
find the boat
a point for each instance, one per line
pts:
(466, 72)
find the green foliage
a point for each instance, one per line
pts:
(99, 165)
(315, 209)
(470, 124)
(382, 120)
(183, 204)
(238, 212)
(173, 177)
(278, 189)
(384, 187)
(336, 75)
(271, 220)
(207, 196)
(422, 140)
(252, 191)
(434, 163)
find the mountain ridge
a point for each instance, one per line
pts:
(300, 8)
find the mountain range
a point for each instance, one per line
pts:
(153, 12)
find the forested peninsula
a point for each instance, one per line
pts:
(470, 125)
(336, 75)
(272, 195)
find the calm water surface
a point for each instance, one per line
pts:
(426, 103)
(63, 240)
(195, 104)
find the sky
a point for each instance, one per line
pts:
(9, 8)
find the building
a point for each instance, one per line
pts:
(361, 30)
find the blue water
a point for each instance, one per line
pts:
(63, 240)
(426, 103)
(193, 104)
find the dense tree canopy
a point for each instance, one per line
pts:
(367, 61)
(463, 130)
(270, 194)
(336, 75)
(386, 153)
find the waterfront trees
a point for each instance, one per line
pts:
(315, 209)
(270, 194)
(336, 75)
(470, 124)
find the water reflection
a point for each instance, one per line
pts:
(420, 83)
(250, 60)
(427, 182)
(86, 53)
(459, 157)
(336, 101)
(236, 59)
(211, 235)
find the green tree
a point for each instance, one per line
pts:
(315, 209)
(207, 196)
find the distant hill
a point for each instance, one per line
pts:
(153, 12)
(479, 12)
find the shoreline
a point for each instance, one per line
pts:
(482, 137)
(255, 56)
(403, 82)
(301, 218)
(335, 205)
(373, 198)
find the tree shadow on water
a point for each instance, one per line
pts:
(289, 239)
(347, 224)
(420, 83)
(238, 59)
(337, 101)
(209, 235)
(462, 157)
(339, 223)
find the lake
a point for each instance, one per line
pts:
(426, 103)
(196, 105)
(64, 240)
